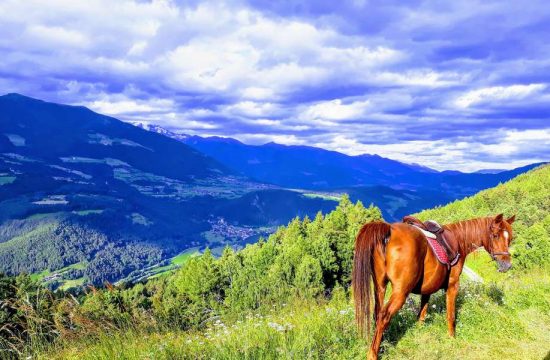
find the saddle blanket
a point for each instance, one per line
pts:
(437, 249)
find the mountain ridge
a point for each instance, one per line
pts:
(317, 169)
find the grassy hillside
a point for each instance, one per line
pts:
(288, 297)
(488, 329)
(527, 196)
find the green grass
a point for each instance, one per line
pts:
(40, 275)
(482, 264)
(508, 318)
(182, 258)
(74, 283)
(323, 196)
(487, 328)
(175, 263)
(78, 266)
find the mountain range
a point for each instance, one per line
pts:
(87, 191)
(397, 188)
(88, 198)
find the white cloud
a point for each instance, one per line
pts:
(498, 93)
(225, 49)
(259, 139)
(334, 110)
(137, 48)
(512, 142)
(444, 154)
(52, 36)
(251, 109)
(226, 68)
(121, 105)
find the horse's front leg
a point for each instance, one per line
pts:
(452, 292)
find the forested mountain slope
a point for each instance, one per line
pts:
(87, 198)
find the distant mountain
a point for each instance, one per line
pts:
(303, 166)
(490, 171)
(88, 193)
(397, 188)
(307, 167)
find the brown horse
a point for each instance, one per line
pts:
(399, 253)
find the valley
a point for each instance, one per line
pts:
(88, 199)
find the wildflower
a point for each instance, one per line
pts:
(276, 326)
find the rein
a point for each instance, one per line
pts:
(493, 254)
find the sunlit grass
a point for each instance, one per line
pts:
(175, 263)
(508, 319)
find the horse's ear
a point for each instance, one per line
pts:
(511, 219)
(498, 218)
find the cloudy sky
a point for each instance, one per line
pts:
(452, 84)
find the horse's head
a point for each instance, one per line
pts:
(500, 238)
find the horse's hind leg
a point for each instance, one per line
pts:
(403, 265)
(396, 301)
(380, 283)
(425, 298)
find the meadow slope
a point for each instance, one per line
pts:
(287, 297)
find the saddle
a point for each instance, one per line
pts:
(445, 249)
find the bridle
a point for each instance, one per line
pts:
(496, 253)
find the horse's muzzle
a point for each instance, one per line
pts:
(504, 266)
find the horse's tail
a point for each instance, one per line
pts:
(369, 236)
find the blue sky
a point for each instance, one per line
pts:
(452, 84)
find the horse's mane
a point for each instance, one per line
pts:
(470, 234)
